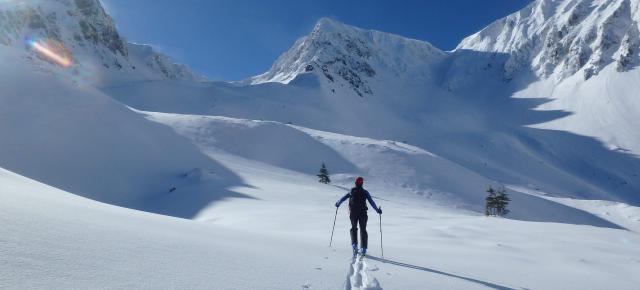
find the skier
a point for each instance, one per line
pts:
(358, 214)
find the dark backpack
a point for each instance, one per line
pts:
(357, 201)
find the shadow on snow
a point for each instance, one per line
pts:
(409, 266)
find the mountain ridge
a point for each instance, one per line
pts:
(83, 33)
(338, 52)
(562, 38)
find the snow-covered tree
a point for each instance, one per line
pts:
(324, 175)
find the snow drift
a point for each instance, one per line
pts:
(77, 139)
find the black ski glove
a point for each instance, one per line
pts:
(379, 211)
(337, 204)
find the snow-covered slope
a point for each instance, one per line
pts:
(584, 56)
(78, 139)
(56, 240)
(408, 172)
(606, 107)
(278, 238)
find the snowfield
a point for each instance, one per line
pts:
(408, 171)
(120, 169)
(278, 239)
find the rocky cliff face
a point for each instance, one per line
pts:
(561, 38)
(97, 27)
(81, 25)
(84, 32)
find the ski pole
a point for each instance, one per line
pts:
(381, 248)
(334, 226)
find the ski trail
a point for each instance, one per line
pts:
(347, 285)
(358, 279)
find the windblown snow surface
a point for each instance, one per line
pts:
(277, 235)
(123, 170)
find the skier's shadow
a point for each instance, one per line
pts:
(484, 283)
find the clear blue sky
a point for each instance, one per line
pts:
(235, 39)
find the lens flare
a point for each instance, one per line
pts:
(52, 51)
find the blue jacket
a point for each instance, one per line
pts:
(366, 194)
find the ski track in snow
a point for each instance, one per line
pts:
(357, 278)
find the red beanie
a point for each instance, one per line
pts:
(359, 181)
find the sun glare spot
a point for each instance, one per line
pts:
(52, 51)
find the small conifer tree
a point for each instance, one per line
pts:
(502, 201)
(496, 202)
(323, 176)
(490, 202)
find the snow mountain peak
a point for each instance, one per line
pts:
(561, 38)
(329, 24)
(346, 56)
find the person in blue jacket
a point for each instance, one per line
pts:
(358, 214)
